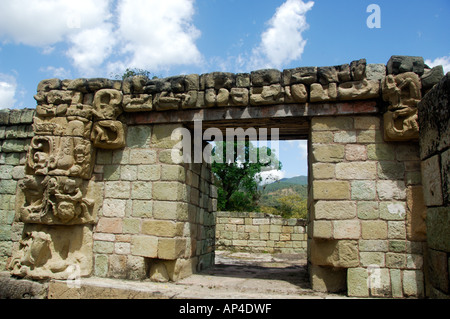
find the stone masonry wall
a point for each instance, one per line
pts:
(434, 119)
(366, 210)
(259, 232)
(15, 135)
(156, 219)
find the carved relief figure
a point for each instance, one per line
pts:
(403, 92)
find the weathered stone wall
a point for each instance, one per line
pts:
(434, 119)
(259, 232)
(366, 211)
(157, 218)
(15, 135)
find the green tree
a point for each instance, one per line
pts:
(130, 72)
(289, 206)
(237, 178)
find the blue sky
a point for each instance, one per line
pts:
(100, 38)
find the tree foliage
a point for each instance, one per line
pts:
(237, 178)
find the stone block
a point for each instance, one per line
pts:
(328, 153)
(109, 225)
(141, 190)
(375, 72)
(396, 230)
(169, 191)
(391, 170)
(335, 253)
(131, 226)
(432, 183)
(356, 170)
(346, 229)
(345, 137)
(114, 207)
(149, 172)
(142, 208)
(438, 228)
(334, 210)
(145, 246)
(372, 258)
(163, 134)
(355, 152)
(357, 282)
(373, 245)
(117, 189)
(171, 248)
(173, 173)
(363, 190)
(391, 190)
(142, 156)
(332, 123)
(162, 228)
(374, 229)
(369, 136)
(392, 210)
(14, 146)
(323, 171)
(322, 229)
(326, 279)
(324, 137)
(381, 152)
(170, 210)
(437, 270)
(138, 136)
(401, 64)
(329, 190)
(413, 283)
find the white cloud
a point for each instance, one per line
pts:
(156, 34)
(271, 176)
(45, 22)
(55, 72)
(8, 88)
(444, 61)
(283, 41)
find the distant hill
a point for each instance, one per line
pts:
(284, 187)
(299, 180)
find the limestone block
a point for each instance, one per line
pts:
(328, 153)
(389, 190)
(137, 103)
(391, 170)
(396, 230)
(322, 229)
(374, 229)
(169, 191)
(329, 190)
(296, 93)
(138, 136)
(413, 283)
(303, 75)
(218, 80)
(323, 93)
(445, 172)
(401, 64)
(49, 84)
(114, 207)
(171, 248)
(375, 72)
(141, 190)
(266, 95)
(359, 90)
(416, 214)
(432, 77)
(356, 170)
(431, 179)
(323, 171)
(265, 77)
(332, 123)
(438, 228)
(162, 228)
(109, 225)
(363, 190)
(326, 279)
(335, 253)
(357, 282)
(162, 136)
(142, 208)
(327, 74)
(346, 229)
(381, 152)
(438, 270)
(392, 210)
(145, 246)
(333, 210)
(358, 69)
(355, 152)
(239, 96)
(345, 137)
(324, 137)
(117, 189)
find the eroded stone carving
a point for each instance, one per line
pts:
(403, 92)
(57, 190)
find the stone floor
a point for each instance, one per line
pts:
(236, 275)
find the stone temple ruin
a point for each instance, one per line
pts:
(89, 184)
